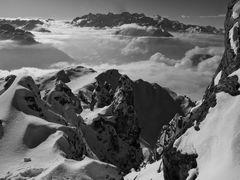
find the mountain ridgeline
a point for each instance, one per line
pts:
(114, 20)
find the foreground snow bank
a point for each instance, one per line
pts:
(150, 172)
(217, 143)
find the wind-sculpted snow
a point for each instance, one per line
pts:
(46, 127)
(36, 141)
(27, 99)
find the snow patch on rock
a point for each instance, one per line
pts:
(217, 78)
(233, 36)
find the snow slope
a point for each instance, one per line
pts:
(32, 148)
(217, 143)
(150, 172)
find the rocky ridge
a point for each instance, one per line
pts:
(114, 20)
(104, 120)
(9, 32)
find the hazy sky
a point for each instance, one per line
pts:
(208, 12)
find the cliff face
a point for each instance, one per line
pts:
(210, 129)
(151, 102)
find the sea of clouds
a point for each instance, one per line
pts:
(177, 62)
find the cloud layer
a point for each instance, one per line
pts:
(178, 75)
(184, 63)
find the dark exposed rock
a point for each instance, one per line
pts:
(7, 27)
(64, 102)
(27, 24)
(151, 103)
(175, 164)
(229, 85)
(112, 20)
(118, 128)
(27, 159)
(9, 32)
(31, 24)
(28, 100)
(198, 58)
(61, 76)
(9, 80)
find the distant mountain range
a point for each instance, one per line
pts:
(8, 32)
(113, 20)
(128, 24)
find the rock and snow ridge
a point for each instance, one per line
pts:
(37, 141)
(158, 25)
(115, 20)
(48, 131)
(206, 145)
(125, 24)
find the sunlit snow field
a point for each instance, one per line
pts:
(167, 61)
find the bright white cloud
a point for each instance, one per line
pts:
(136, 30)
(34, 72)
(178, 75)
(136, 46)
(151, 59)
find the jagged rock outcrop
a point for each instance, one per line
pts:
(112, 20)
(9, 32)
(64, 102)
(117, 128)
(151, 103)
(6, 82)
(224, 81)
